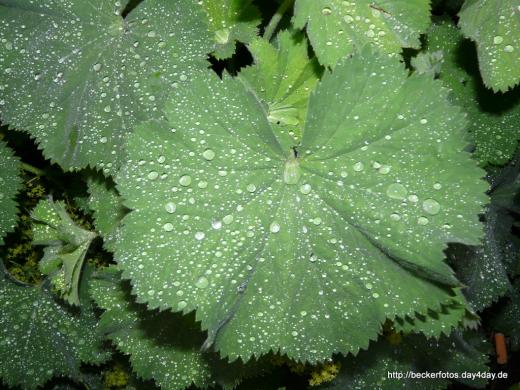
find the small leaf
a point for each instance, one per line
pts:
(495, 27)
(40, 338)
(345, 229)
(283, 78)
(338, 28)
(230, 21)
(67, 246)
(10, 184)
(77, 76)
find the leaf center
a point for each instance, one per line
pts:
(292, 172)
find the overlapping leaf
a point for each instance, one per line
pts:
(306, 248)
(337, 28)
(77, 76)
(230, 21)
(39, 338)
(495, 27)
(451, 355)
(162, 346)
(66, 245)
(10, 184)
(283, 78)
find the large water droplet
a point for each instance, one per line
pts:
(292, 173)
(170, 207)
(422, 221)
(97, 67)
(181, 305)
(274, 227)
(202, 282)
(358, 167)
(153, 175)
(396, 191)
(168, 227)
(497, 40)
(326, 11)
(431, 206)
(251, 187)
(185, 180)
(216, 225)
(208, 154)
(199, 236)
(305, 189)
(227, 219)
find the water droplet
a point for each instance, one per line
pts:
(151, 293)
(222, 36)
(375, 295)
(509, 48)
(305, 189)
(348, 19)
(153, 175)
(216, 225)
(208, 154)
(423, 121)
(168, 227)
(326, 11)
(294, 333)
(422, 221)
(368, 286)
(385, 169)
(313, 258)
(274, 227)
(202, 184)
(199, 236)
(437, 186)
(97, 67)
(431, 206)
(103, 140)
(358, 167)
(170, 207)
(413, 198)
(202, 282)
(395, 217)
(185, 180)
(396, 191)
(497, 40)
(181, 305)
(152, 34)
(107, 109)
(227, 219)
(251, 187)
(317, 221)
(291, 173)
(303, 313)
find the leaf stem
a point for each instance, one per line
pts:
(33, 170)
(275, 20)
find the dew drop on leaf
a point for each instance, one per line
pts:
(185, 180)
(396, 191)
(431, 206)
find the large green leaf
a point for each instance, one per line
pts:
(337, 28)
(230, 21)
(495, 27)
(10, 184)
(494, 120)
(162, 346)
(306, 248)
(388, 367)
(66, 245)
(283, 78)
(40, 338)
(76, 75)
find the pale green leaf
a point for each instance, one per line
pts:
(231, 21)
(313, 244)
(494, 120)
(107, 208)
(162, 346)
(337, 28)
(66, 247)
(10, 184)
(77, 76)
(495, 27)
(283, 77)
(40, 338)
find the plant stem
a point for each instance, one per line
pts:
(273, 23)
(33, 170)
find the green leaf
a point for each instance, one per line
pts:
(108, 210)
(271, 242)
(373, 369)
(338, 28)
(66, 247)
(230, 21)
(162, 346)
(283, 78)
(77, 76)
(494, 120)
(495, 27)
(40, 338)
(10, 184)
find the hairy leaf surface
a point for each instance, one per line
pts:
(270, 239)
(40, 338)
(77, 76)
(10, 184)
(494, 120)
(495, 27)
(230, 21)
(283, 78)
(337, 28)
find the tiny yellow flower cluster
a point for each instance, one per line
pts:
(324, 373)
(116, 378)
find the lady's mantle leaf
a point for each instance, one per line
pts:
(66, 247)
(271, 242)
(337, 28)
(230, 21)
(495, 26)
(77, 76)
(494, 120)
(39, 338)
(162, 346)
(283, 78)
(10, 184)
